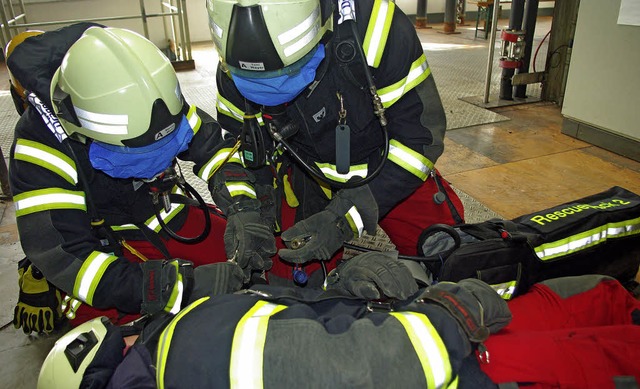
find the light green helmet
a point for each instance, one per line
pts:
(116, 87)
(71, 354)
(267, 35)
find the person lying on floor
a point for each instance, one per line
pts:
(359, 332)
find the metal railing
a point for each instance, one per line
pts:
(13, 18)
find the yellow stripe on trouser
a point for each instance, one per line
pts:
(245, 370)
(429, 347)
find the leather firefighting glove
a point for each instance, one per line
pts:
(216, 279)
(373, 275)
(166, 285)
(319, 236)
(248, 240)
(478, 309)
(38, 307)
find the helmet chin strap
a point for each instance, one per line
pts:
(160, 188)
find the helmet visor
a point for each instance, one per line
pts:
(141, 162)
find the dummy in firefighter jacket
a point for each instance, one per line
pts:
(333, 104)
(92, 169)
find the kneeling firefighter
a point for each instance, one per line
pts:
(94, 175)
(285, 337)
(333, 105)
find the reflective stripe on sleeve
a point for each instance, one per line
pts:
(590, 238)
(419, 72)
(47, 199)
(375, 39)
(217, 160)
(194, 119)
(90, 273)
(153, 222)
(239, 188)
(355, 221)
(225, 107)
(165, 341)
(330, 171)
(429, 347)
(245, 368)
(48, 158)
(410, 160)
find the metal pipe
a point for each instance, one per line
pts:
(5, 34)
(181, 29)
(421, 14)
(186, 30)
(85, 20)
(515, 24)
(492, 48)
(530, 15)
(143, 15)
(450, 16)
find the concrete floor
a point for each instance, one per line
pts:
(504, 162)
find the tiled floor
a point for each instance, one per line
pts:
(507, 161)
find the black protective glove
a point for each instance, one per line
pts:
(166, 285)
(479, 310)
(372, 276)
(321, 235)
(215, 279)
(38, 308)
(247, 239)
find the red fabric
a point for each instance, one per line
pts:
(210, 250)
(579, 342)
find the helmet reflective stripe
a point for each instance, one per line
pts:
(165, 341)
(46, 157)
(410, 160)
(102, 122)
(245, 367)
(419, 72)
(375, 39)
(241, 188)
(90, 274)
(48, 199)
(216, 161)
(331, 171)
(355, 221)
(428, 345)
(311, 21)
(587, 239)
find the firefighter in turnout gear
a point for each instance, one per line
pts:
(338, 125)
(103, 212)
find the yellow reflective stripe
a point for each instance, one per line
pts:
(225, 107)
(419, 72)
(90, 274)
(375, 39)
(216, 161)
(429, 347)
(124, 227)
(586, 239)
(173, 304)
(410, 160)
(153, 222)
(453, 384)
(331, 171)
(355, 221)
(165, 341)
(505, 289)
(47, 199)
(245, 367)
(48, 158)
(194, 119)
(238, 188)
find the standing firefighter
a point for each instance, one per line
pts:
(332, 103)
(93, 175)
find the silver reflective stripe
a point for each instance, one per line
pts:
(103, 123)
(301, 43)
(90, 274)
(419, 72)
(153, 222)
(588, 239)
(375, 39)
(355, 221)
(241, 188)
(48, 199)
(245, 370)
(410, 160)
(505, 289)
(298, 30)
(48, 158)
(226, 108)
(429, 347)
(330, 171)
(216, 161)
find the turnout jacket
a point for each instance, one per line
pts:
(401, 73)
(279, 338)
(58, 194)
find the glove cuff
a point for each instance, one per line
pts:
(244, 205)
(166, 285)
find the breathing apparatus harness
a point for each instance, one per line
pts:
(280, 127)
